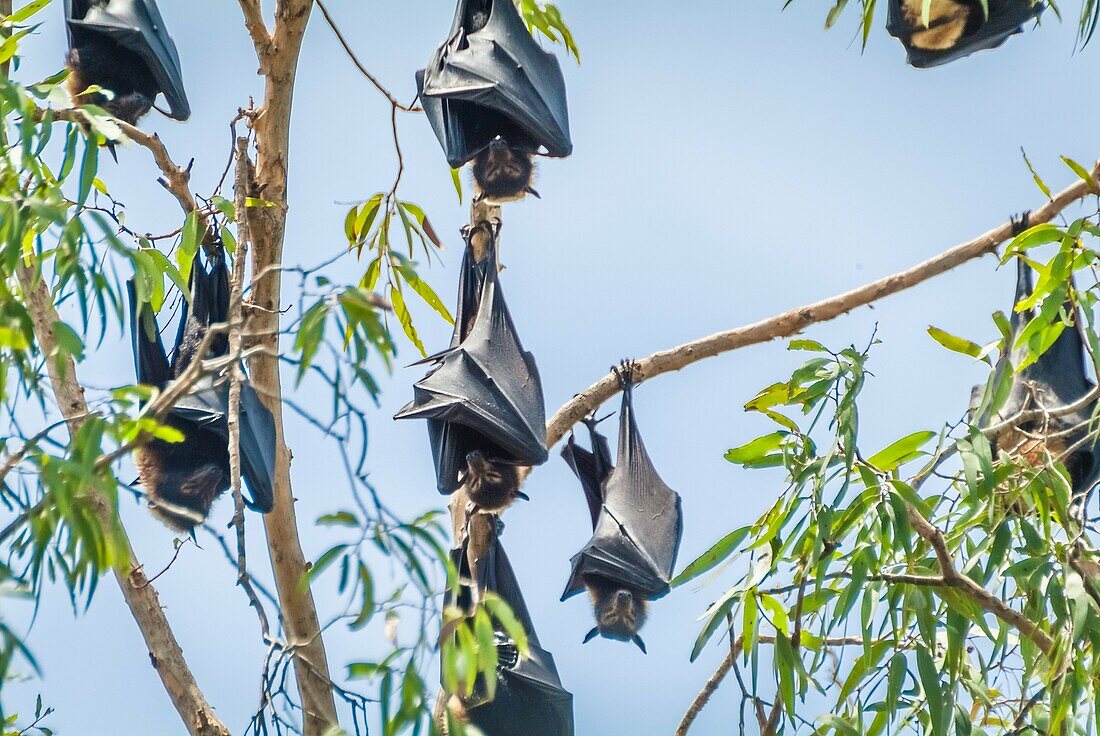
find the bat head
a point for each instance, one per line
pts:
(183, 503)
(491, 484)
(504, 173)
(182, 480)
(620, 612)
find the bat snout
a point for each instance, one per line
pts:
(476, 460)
(624, 597)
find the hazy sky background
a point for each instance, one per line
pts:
(732, 161)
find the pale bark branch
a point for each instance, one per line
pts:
(164, 650)
(267, 226)
(176, 179)
(257, 30)
(709, 688)
(795, 320)
(236, 318)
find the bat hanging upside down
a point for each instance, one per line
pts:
(504, 173)
(123, 48)
(183, 479)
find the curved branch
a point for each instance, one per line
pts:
(359, 65)
(709, 688)
(795, 320)
(164, 650)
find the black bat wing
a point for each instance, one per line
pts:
(591, 467)
(1006, 18)
(488, 385)
(530, 698)
(207, 407)
(209, 304)
(471, 282)
(638, 532)
(495, 81)
(1058, 378)
(138, 26)
(150, 361)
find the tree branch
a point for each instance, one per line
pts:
(710, 687)
(257, 29)
(952, 578)
(795, 320)
(236, 318)
(267, 227)
(164, 650)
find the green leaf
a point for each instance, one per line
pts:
(424, 291)
(512, 627)
(726, 546)
(340, 518)
(933, 691)
(756, 449)
(403, 316)
(456, 179)
(900, 452)
(1081, 171)
(954, 343)
(1035, 175)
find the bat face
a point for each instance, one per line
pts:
(491, 485)
(182, 480)
(620, 612)
(503, 173)
(948, 21)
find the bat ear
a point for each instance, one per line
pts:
(524, 496)
(530, 190)
(591, 634)
(641, 644)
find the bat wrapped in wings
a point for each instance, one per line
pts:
(529, 697)
(1053, 394)
(494, 97)
(123, 47)
(953, 29)
(483, 399)
(637, 525)
(183, 479)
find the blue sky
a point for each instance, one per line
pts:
(731, 161)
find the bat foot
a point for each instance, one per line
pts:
(1020, 223)
(627, 372)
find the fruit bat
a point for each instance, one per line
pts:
(483, 399)
(493, 96)
(529, 697)
(1056, 380)
(183, 479)
(956, 28)
(123, 46)
(636, 523)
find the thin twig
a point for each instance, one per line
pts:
(359, 65)
(241, 190)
